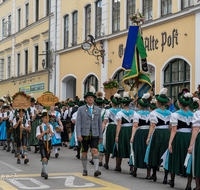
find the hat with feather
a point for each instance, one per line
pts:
(116, 99)
(99, 97)
(162, 96)
(195, 104)
(32, 99)
(185, 99)
(144, 100)
(76, 100)
(44, 113)
(81, 103)
(2, 99)
(153, 104)
(106, 101)
(176, 105)
(126, 98)
(70, 102)
(91, 92)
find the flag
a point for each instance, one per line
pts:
(136, 79)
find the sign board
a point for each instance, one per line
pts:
(86, 46)
(21, 102)
(48, 99)
(37, 87)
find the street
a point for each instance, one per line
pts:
(65, 172)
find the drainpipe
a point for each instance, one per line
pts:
(49, 45)
(55, 46)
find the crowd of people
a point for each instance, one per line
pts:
(150, 131)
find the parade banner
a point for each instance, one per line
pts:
(136, 79)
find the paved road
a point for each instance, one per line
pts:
(65, 173)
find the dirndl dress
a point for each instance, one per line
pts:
(140, 137)
(160, 137)
(3, 133)
(181, 141)
(122, 148)
(110, 131)
(56, 139)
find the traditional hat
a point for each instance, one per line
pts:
(176, 104)
(126, 98)
(195, 104)
(5, 106)
(143, 101)
(70, 102)
(44, 113)
(106, 101)
(2, 99)
(81, 103)
(162, 97)
(153, 104)
(91, 92)
(99, 97)
(116, 99)
(32, 99)
(185, 99)
(76, 100)
(57, 103)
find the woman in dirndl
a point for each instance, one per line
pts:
(152, 105)
(179, 142)
(123, 133)
(159, 134)
(139, 136)
(54, 120)
(194, 147)
(110, 130)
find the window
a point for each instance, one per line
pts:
(9, 67)
(36, 10)
(26, 61)
(91, 80)
(3, 28)
(148, 9)
(166, 7)
(47, 57)
(187, 3)
(119, 76)
(66, 31)
(27, 14)
(176, 76)
(9, 25)
(36, 58)
(98, 18)
(87, 20)
(19, 19)
(18, 64)
(116, 15)
(75, 28)
(1, 69)
(130, 10)
(47, 8)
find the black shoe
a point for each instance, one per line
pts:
(100, 164)
(118, 169)
(78, 156)
(92, 162)
(8, 149)
(131, 172)
(65, 145)
(134, 174)
(75, 148)
(1, 143)
(188, 188)
(42, 174)
(85, 173)
(26, 161)
(165, 181)
(13, 151)
(148, 177)
(106, 167)
(58, 148)
(18, 161)
(22, 156)
(4, 148)
(56, 155)
(154, 178)
(29, 148)
(97, 173)
(15, 155)
(70, 147)
(45, 176)
(170, 183)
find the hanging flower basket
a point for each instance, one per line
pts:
(110, 88)
(137, 19)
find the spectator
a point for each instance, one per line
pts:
(171, 106)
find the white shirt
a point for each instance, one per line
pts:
(15, 122)
(38, 132)
(67, 112)
(74, 116)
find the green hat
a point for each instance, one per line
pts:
(57, 104)
(71, 104)
(106, 101)
(143, 101)
(81, 103)
(76, 101)
(167, 106)
(32, 99)
(116, 99)
(153, 106)
(91, 92)
(126, 98)
(195, 104)
(5, 106)
(99, 96)
(176, 104)
(162, 97)
(2, 99)
(185, 99)
(44, 113)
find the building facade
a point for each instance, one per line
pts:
(170, 34)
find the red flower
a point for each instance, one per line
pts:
(28, 96)
(13, 98)
(53, 116)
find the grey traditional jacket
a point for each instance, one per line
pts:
(85, 122)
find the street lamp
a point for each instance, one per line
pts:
(90, 47)
(43, 63)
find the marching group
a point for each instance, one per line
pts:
(150, 137)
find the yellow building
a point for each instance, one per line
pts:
(23, 37)
(170, 33)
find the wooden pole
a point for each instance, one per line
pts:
(20, 124)
(47, 133)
